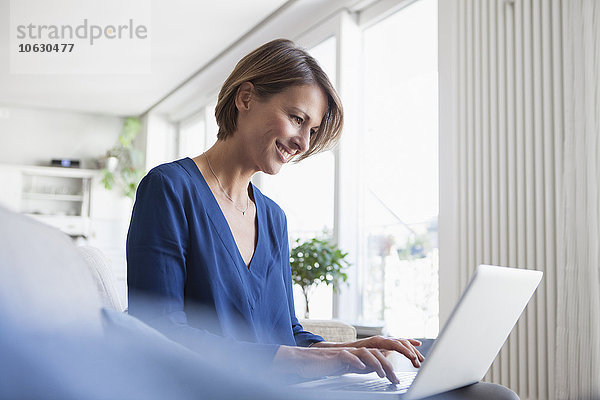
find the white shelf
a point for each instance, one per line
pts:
(59, 171)
(52, 196)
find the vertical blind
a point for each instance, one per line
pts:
(523, 111)
(578, 278)
(510, 143)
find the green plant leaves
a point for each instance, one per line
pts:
(131, 128)
(108, 179)
(127, 174)
(318, 261)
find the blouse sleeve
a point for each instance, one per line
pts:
(302, 337)
(157, 243)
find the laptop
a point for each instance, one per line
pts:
(479, 325)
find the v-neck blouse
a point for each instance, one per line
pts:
(184, 268)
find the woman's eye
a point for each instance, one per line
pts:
(297, 119)
(312, 132)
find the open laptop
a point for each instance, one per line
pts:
(465, 348)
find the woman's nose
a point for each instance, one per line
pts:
(303, 140)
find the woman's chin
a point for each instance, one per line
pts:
(272, 169)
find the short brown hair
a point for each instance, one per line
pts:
(272, 68)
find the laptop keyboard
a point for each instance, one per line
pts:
(382, 384)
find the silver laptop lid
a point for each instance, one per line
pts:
(476, 330)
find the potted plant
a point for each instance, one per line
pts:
(317, 261)
(122, 160)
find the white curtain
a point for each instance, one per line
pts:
(578, 283)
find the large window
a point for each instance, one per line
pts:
(400, 169)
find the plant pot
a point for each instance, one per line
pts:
(112, 163)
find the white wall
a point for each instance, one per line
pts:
(35, 136)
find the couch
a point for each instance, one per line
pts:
(63, 334)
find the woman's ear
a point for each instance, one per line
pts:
(243, 96)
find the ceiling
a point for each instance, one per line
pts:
(185, 36)
(193, 46)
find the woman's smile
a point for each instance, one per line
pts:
(284, 154)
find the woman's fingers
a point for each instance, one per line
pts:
(387, 366)
(408, 349)
(362, 356)
(421, 356)
(315, 362)
(352, 361)
(405, 348)
(417, 352)
(408, 343)
(376, 362)
(370, 360)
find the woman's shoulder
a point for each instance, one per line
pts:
(174, 173)
(170, 185)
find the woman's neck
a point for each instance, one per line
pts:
(227, 166)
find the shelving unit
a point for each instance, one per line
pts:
(56, 196)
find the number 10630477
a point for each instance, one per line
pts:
(46, 47)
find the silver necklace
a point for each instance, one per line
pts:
(243, 211)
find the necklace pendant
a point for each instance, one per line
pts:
(243, 212)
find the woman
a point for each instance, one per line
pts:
(202, 234)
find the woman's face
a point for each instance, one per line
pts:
(278, 128)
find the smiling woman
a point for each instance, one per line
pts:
(202, 234)
(271, 69)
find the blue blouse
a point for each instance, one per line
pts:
(184, 267)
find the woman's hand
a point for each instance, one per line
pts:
(316, 362)
(407, 347)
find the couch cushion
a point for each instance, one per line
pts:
(44, 280)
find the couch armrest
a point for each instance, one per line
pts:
(99, 267)
(330, 330)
